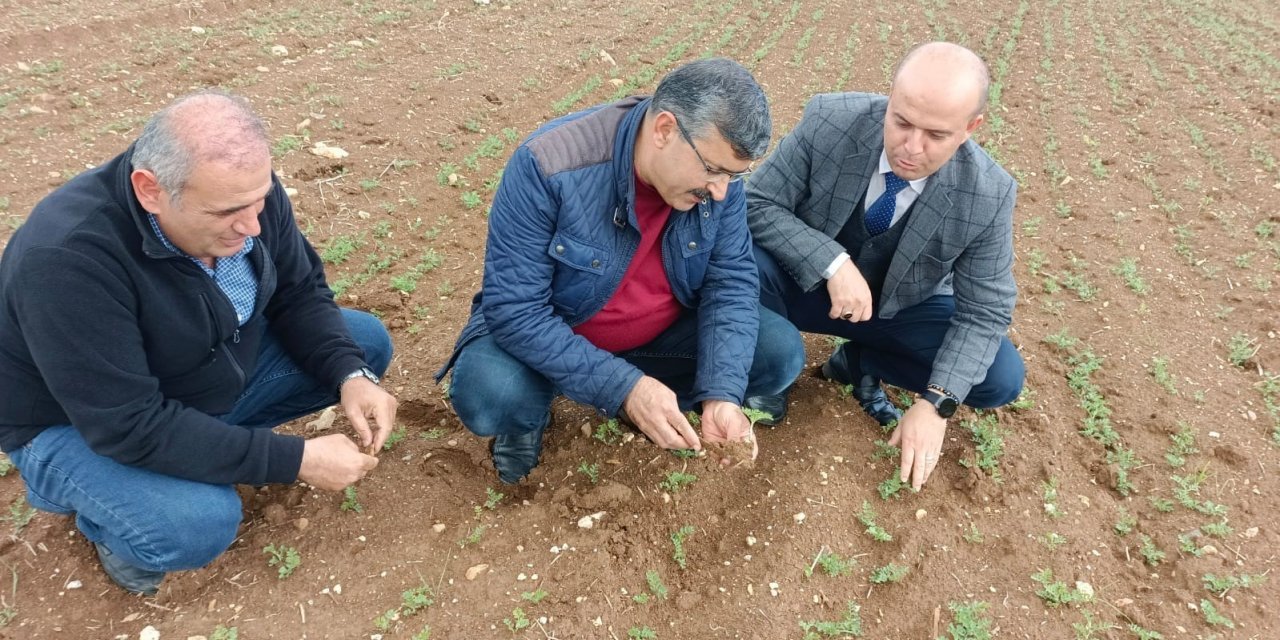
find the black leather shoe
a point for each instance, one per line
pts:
(514, 456)
(867, 391)
(775, 406)
(133, 579)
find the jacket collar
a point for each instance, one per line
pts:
(152, 247)
(624, 158)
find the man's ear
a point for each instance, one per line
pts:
(147, 188)
(664, 129)
(974, 124)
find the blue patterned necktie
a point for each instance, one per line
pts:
(880, 215)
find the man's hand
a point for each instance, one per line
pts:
(333, 462)
(362, 399)
(653, 408)
(920, 434)
(724, 422)
(850, 295)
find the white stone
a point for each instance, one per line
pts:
(75, 584)
(197, 30)
(149, 633)
(799, 517)
(279, 51)
(438, 527)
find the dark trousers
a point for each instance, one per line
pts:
(899, 351)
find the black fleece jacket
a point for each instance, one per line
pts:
(103, 328)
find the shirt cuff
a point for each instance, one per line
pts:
(835, 265)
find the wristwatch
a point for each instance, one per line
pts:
(942, 400)
(362, 372)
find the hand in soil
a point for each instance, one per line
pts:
(729, 433)
(361, 399)
(920, 435)
(653, 408)
(333, 462)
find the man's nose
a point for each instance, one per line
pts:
(718, 188)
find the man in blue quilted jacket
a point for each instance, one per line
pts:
(619, 272)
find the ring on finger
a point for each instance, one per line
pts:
(847, 315)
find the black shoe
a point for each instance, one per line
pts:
(514, 456)
(775, 406)
(133, 579)
(867, 391)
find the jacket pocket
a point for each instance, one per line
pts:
(577, 254)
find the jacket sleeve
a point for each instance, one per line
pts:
(516, 300)
(78, 318)
(778, 191)
(985, 294)
(301, 313)
(729, 309)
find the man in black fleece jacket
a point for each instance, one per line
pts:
(158, 315)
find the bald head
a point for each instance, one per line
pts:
(208, 127)
(952, 71)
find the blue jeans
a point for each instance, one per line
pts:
(496, 394)
(899, 351)
(159, 522)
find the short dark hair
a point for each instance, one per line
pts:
(720, 93)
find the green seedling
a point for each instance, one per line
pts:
(677, 541)
(1220, 585)
(471, 199)
(892, 486)
(394, 438)
(609, 431)
(492, 498)
(832, 564)
(1151, 553)
(1160, 371)
(969, 622)
(1125, 523)
(1184, 444)
(1217, 529)
(591, 471)
(1163, 505)
(889, 573)
(425, 634)
(20, 514)
(1086, 630)
(868, 519)
(473, 536)
(1050, 496)
(755, 415)
(517, 621)
(885, 452)
(641, 633)
(350, 501)
(284, 558)
(684, 454)
(225, 633)
(533, 596)
(1026, 400)
(656, 587)
(1214, 617)
(1056, 593)
(1052, 540)
(677, 480)
(974, 536)
(988, 443)
(434, 433)
(1142, 633)
(1241, 349)
(849, 625)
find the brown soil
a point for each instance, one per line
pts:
(1143, 131)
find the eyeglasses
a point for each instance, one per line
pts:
(714, 174)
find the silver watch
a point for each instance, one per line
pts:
(362, 372)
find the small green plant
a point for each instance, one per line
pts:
(1142, 633)
(755, 415)
(1240, 349)
(885, 452)
(656, 587)
(591, 471)
(1163, 505)
(892, 486)
(1128, 271)
(225, 633)
(889, 573)
(471, 199)
(609, 431)
(988, 443)
(369, 184)
(1151, 553)
(284, 558)
(434, 433)
(1052, 540)
(394, 438)
(677, 480)
(849, 625)
(1220, 585)
(973, 535)
(1214, 617)
(969, 622)
(684, 454)
(832, 564)
(517, 621)
(1217, 529)
(1160, 371)
(473, 536)
(351, 501)
(1056, 593)
(447, 176)
(1050, 496)
(20, 514)
(677, 541)
(492, 498)
(1026, 400)
(286, 144)
(868, 519)
(1125, 523)
(533, 596)
(340, 248)
(1086, 630)
(641, 633)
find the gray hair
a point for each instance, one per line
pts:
(208, 125)
(720, 93)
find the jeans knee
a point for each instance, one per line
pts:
(495, 395)
(779, 355)
(192, 531)
(372, 337)
(1003, 383)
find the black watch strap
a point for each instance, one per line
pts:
(942, 400)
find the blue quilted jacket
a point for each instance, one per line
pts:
(562, 231)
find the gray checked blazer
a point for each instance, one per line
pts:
(958, 239)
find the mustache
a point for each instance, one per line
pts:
(702, 194)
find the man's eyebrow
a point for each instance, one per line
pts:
(898, 117)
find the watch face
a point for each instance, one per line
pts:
(947, 407)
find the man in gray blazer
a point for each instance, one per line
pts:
(909, 224)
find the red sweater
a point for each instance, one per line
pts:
(643, 306)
